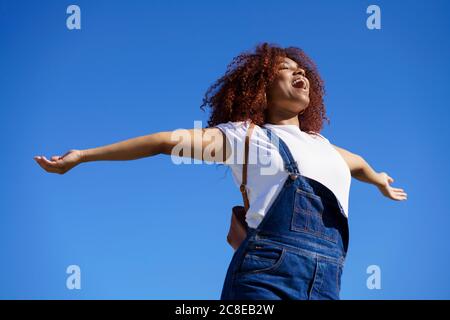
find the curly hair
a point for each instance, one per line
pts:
(240, 94)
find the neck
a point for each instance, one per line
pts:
(282, 120)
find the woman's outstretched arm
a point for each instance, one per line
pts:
(362, 171)
(201, 143)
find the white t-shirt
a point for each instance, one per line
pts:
(316, 159)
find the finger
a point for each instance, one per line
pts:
(39, 162)
(55, 158)
(37, 159)
(52, 166)
(47, 165)
(49, 162)
(397, 192)
(400, 197)
(44, 164)
(390, 179)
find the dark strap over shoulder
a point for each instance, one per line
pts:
(243, 186)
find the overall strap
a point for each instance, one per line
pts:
(243, 186)
(289, 163)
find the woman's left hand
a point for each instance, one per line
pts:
(389, 191)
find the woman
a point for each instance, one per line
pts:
(298, 182)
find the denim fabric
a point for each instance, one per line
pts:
(298, 250)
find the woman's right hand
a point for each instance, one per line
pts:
(60, 164)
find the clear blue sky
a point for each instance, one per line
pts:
(149, 229)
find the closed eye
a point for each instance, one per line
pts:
(303, 73)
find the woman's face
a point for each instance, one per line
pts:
(289, 93)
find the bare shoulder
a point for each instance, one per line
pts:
(353, 160)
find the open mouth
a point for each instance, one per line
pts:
(299, 84)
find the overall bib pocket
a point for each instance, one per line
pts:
(312, 215)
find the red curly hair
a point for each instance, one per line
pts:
(240, 94)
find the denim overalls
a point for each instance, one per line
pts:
(298, 249)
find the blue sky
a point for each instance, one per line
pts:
(149, 229)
